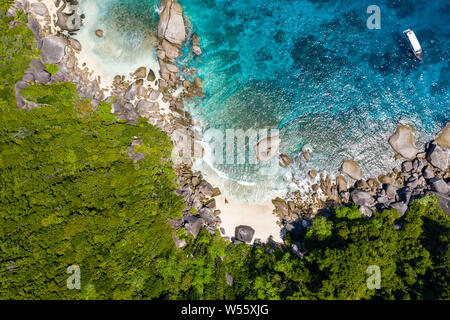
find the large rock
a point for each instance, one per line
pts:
(362, 198)
(244, 233)
(171, 23)
(341, 183)
(438, 156)
(439, 185)
(53, 49)
(40, 9)
(266, 148)
(170, 50)
(352, 169)
(193, 224)
(400, 206)
(443, 138)
(403, 142)
(281, 207)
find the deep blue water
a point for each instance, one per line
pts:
(315, 71)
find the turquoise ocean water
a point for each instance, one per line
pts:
(311, 69)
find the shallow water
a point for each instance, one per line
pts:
(311, 69)
(129, 35)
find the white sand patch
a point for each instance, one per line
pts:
(259, 217)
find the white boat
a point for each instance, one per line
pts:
(413, 43)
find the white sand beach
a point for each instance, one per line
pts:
(259, 217)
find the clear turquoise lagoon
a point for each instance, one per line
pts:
(311, 69)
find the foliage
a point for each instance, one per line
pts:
(51, 68)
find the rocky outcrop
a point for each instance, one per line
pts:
(438, 156)
(171, 24)
(244, 233)
(443, 138)
(352, 169)
(403, 141)
(53, 49)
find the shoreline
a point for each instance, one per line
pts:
(155, 98)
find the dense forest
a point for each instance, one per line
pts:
(71, 195)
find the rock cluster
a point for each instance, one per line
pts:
(199, 197)
(421, 173)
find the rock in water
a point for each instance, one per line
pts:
(99, 33)
(443, 139)
(286, 160)
(171, 23)
(266, 148)
(151, 76)
(438, 156)
(352, 169)
(140, 73)
(403, 142)
(170, 50)
(244, 233)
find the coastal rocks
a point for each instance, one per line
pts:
(312, 174)
(192, 225)
(444, 201)
(195, 48)
(53, 49)
(438, 156)
(401, 207)
(428, 173)
(140, 73)
(40, 9)
(244, 233)
(341, 183)
(99, 33)
(403, 142)
(439, 185)
(352, 169)
(151, 76)
(267, 148)
(171, 24)
(285, 160)
(70, 22)
(443, 138)
(130, 93)
(170, 50)
(362, 198)
(281, 206)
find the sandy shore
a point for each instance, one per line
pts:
(259, 217)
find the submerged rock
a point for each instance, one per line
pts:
(403, 142)
(266, 148)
